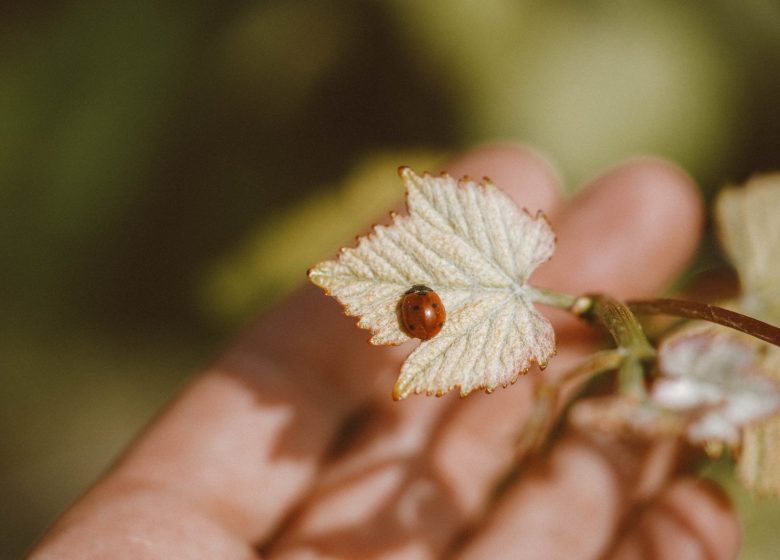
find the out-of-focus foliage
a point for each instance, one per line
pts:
(746, 217)
(637, 77)
(758, 517)
(83, 103)
(146, 144)
(750, 232)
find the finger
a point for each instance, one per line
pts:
(566, 505)
(457, 456)
(690, 519)
(573, 503)
(133, 520)
(640, 222)
(243, 442)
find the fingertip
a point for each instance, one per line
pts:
(656, 186)
(565, 505)
(710, 513)
(630, 232)
(666, 212)
(692, 519)
(524, 174)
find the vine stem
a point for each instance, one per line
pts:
(664, 306)
(551, 297)
(619, 321)
(622, 324)
(548, 397)
(712, 313)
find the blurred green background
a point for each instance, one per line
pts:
(168, 168)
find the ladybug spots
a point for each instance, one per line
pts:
(421, 312)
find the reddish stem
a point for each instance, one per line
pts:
(711, 313)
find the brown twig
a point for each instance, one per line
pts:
(711, 313)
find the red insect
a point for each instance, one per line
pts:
(422, 313)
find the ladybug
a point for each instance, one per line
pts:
(422, 313)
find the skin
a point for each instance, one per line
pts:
(290, 446)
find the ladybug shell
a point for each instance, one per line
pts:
(422, 313)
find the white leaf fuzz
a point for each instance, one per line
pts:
(470, 244)
(718, 381)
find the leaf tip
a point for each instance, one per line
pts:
(399, 393)
(316, 274)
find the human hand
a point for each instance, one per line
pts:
(290, 446)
